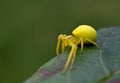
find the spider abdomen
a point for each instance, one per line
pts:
(85, 32)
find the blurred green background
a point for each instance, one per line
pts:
(29, 30)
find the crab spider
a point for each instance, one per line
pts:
(83, 34)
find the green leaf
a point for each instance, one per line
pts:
(92, 66)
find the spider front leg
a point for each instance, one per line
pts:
(58, 46)
(71, 57)
(64, 44)
(60, 38)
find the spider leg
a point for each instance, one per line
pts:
(94, 43)
(65, 41)
(63, 46)
(82, 43)
(60, 38)
(58, 45)
(70, 57)
(73, 58)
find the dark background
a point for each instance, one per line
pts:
(29, 30)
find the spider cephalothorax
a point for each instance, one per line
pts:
(83, 34)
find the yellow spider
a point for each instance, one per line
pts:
(83, 34)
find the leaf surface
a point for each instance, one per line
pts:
(92, 66)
